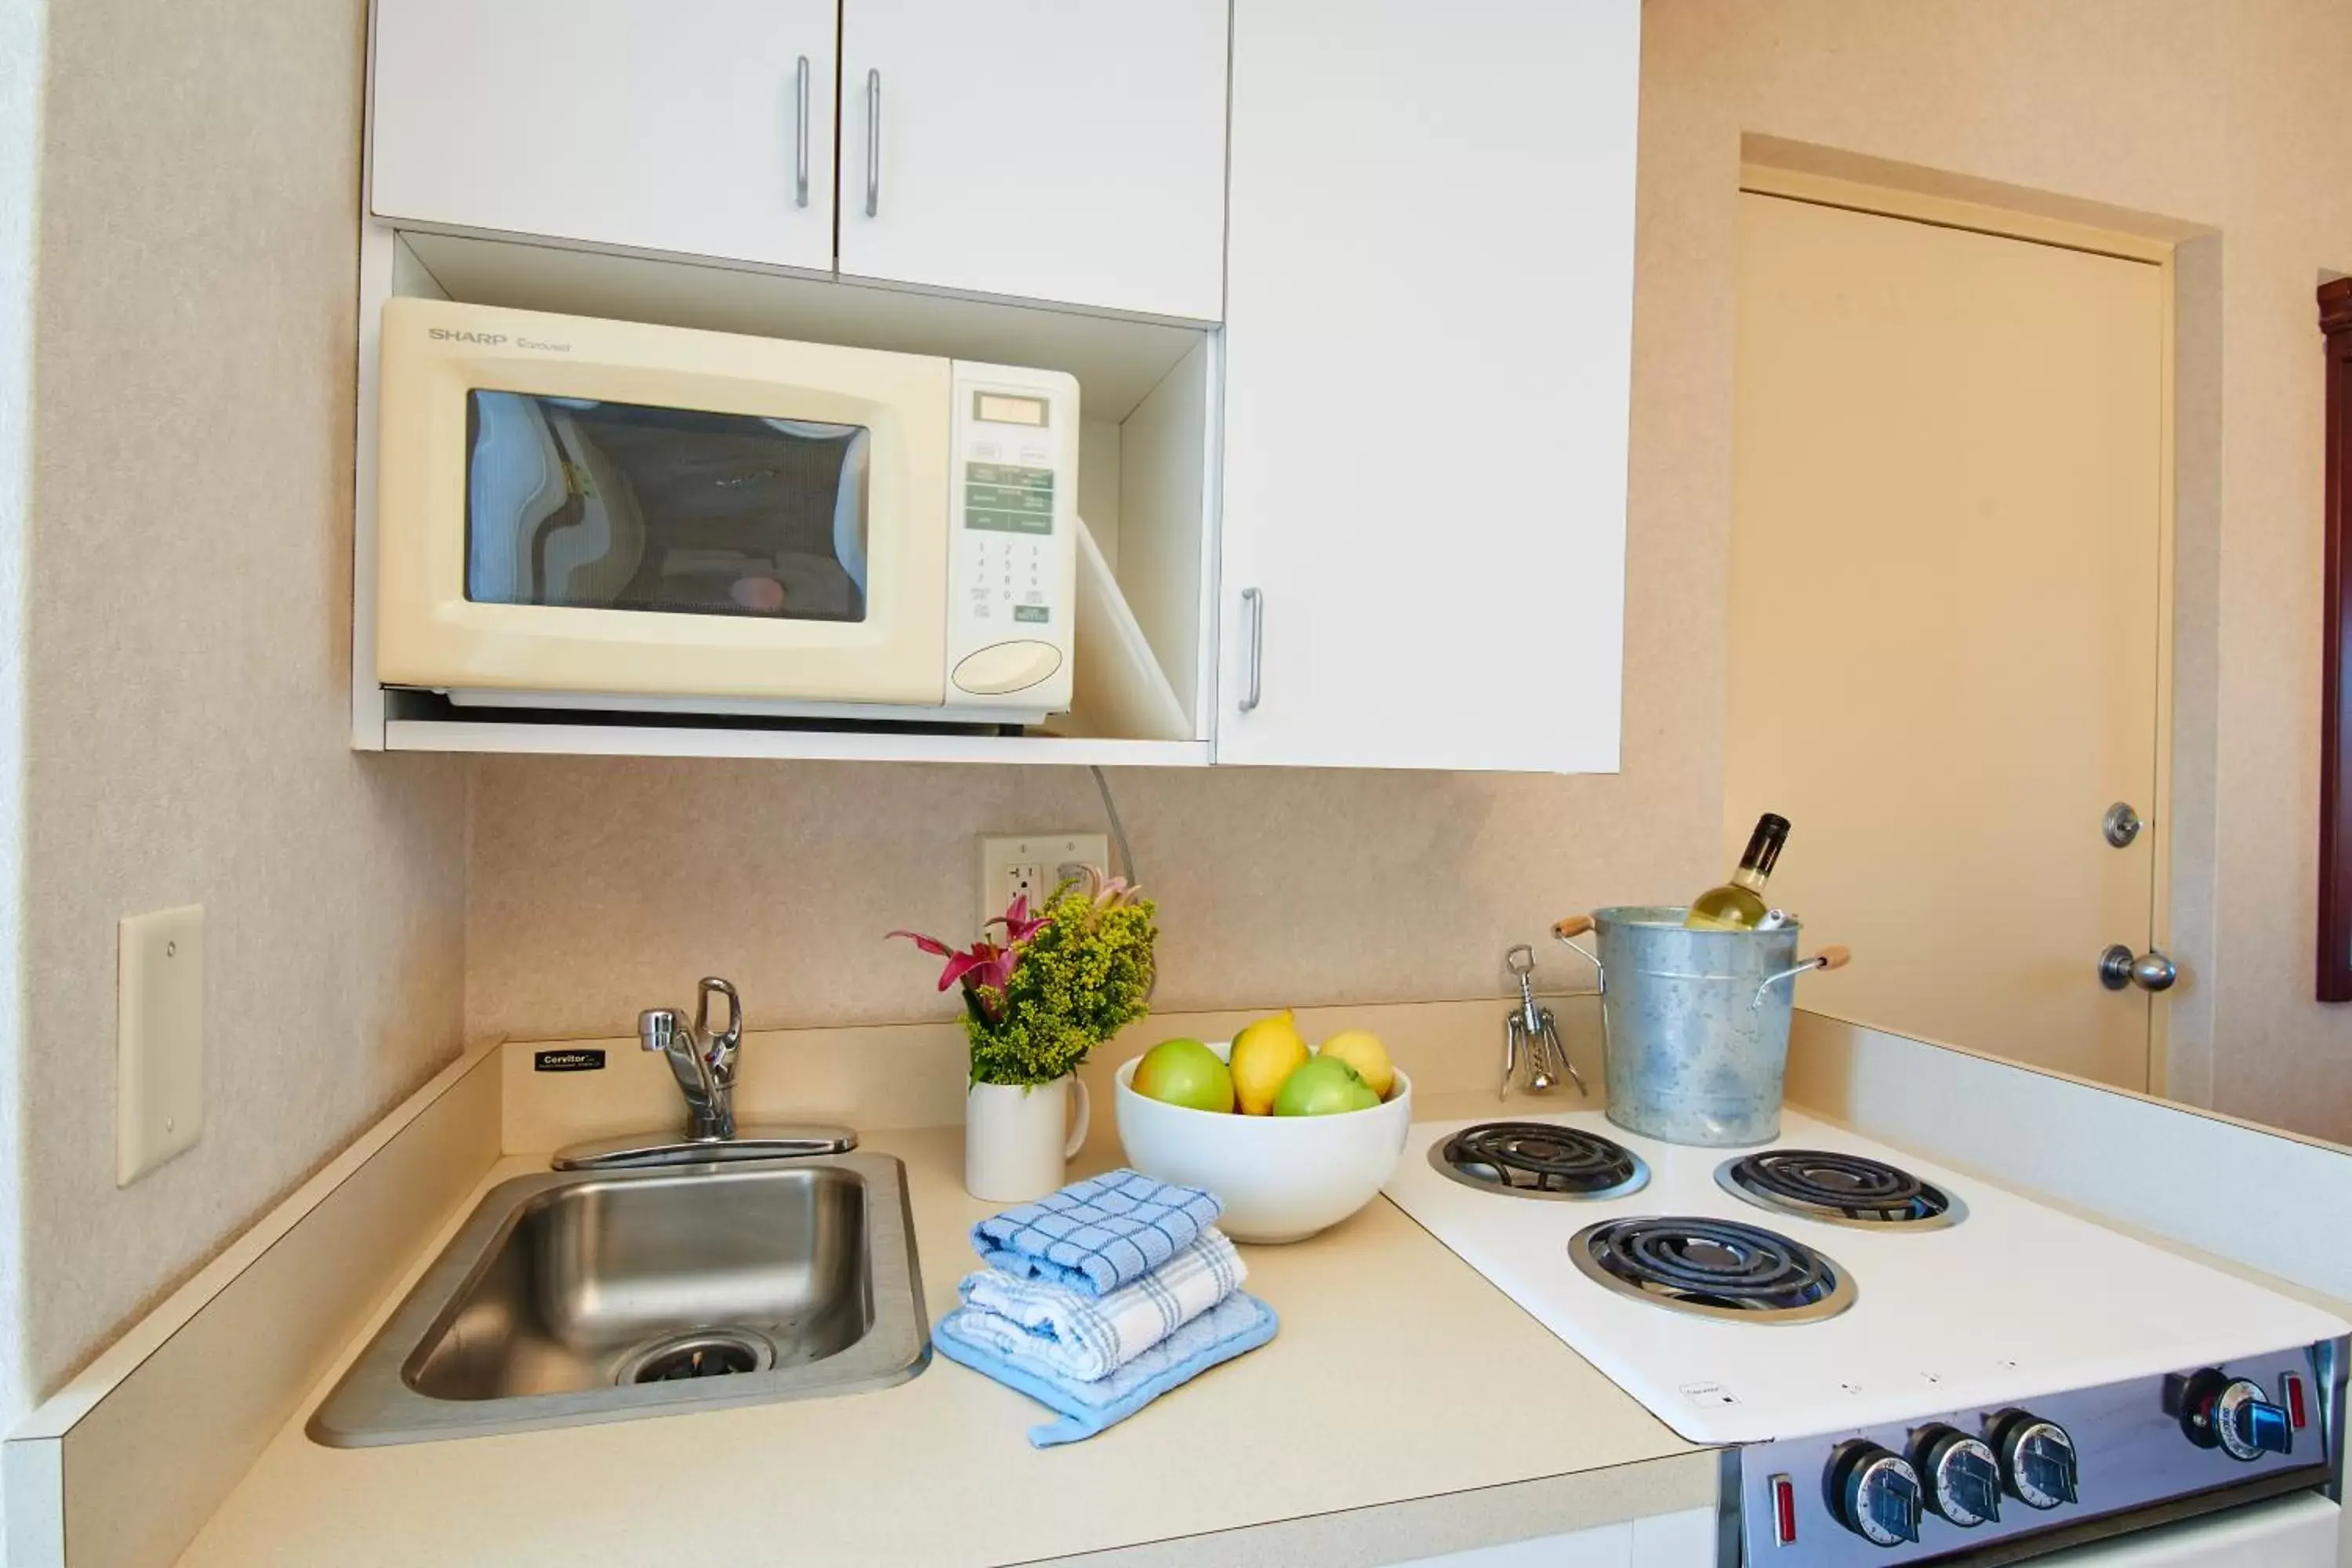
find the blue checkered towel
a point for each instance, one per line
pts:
(1087, 1337)
(1094, 1236)
(1241, 1322)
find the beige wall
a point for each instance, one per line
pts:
(193, 326)
(597, 887)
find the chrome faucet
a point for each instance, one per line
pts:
(701, 1056)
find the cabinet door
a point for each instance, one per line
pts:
(1428, 326)
(1071, 151)
(703, 127)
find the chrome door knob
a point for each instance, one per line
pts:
(2151, 971)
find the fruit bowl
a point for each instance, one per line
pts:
(1282, 1178)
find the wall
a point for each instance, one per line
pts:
(195, 257)
(597, 887)
(20, 58)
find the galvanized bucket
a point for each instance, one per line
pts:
(1695, 1022)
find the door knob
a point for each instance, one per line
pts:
(2151, 971)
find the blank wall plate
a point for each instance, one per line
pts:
(159, 1039)
(1033, 863)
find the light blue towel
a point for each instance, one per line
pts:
(1239, 1323)
(1087, 1337)
(1094, 1236)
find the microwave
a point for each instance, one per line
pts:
(589, 514)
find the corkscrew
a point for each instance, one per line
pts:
(1530, 1030)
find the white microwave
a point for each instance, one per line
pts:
(577, 514)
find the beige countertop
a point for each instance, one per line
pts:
(1364, 1431)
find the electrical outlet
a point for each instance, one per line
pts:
(1034, 864)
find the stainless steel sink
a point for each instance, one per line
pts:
(594, 1296)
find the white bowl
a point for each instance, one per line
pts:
(1282, 1178)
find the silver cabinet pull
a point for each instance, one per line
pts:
(1253, 601)
(801, 143)
(873, 144)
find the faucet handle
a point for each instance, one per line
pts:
(719, 1045)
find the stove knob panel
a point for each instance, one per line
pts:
(2232, 1413)
(1874, 1492)
(1958, 1474)
(2038, 1464)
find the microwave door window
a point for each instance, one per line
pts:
(616, 506)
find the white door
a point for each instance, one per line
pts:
(703, 127)
(1071, 151)
(1429, 323)
(1945, 625)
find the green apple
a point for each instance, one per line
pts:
(1185, 1073)
(1322, 1086)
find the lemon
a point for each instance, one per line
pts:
(1364, 1052)
(1265, 1054)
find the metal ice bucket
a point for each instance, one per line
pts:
(1695, 1022)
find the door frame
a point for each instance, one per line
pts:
(1950, 212)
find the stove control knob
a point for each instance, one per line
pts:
(1958, 1474)
(2038, 1467)
(1872, 1492)
(2230, 1414)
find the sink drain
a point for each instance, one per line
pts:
(705, 1352)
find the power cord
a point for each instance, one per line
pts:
(1118, 828)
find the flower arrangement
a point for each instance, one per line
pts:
(1045, 989)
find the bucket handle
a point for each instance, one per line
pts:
(1828, 957)
(1567, 930)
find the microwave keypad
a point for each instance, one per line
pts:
(1007, 574)
(1008, 497)
(1008, 511)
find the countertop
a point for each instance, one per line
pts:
(1406, 1404)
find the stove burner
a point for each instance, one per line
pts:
(1715, 1267)
(1538, 1160)
(1841, 1189)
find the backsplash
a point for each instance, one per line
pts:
(600, 886)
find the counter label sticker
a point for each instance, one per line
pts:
(575, 1060)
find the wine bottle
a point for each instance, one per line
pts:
(1739, 904)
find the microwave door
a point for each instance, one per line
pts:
(612, 506)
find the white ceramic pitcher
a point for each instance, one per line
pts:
(1014, 1148)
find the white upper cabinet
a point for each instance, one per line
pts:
(699, 126)
(1429, 313)
(1061, 150)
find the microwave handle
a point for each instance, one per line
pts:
(1253, 601)
(873, 144)
(801, 143)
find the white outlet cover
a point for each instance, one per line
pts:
(1013, 863)
(159, 1039)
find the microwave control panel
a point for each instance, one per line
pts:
(1013, 570)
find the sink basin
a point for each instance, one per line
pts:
(599, 1296)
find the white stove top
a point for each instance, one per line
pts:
(2014, 1303)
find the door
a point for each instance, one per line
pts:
(1947, 528)
(1429, 309)
(703, 127)
(1071, 151)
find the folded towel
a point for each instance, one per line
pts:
(1087, 1337)
(1238, 1324)
(1094, 1236)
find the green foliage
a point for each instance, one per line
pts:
(1084, 976)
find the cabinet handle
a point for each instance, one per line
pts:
(1253, 601)
(801, 143)
(873, 144)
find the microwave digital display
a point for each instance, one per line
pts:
(619, 506)
(1007, 409)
